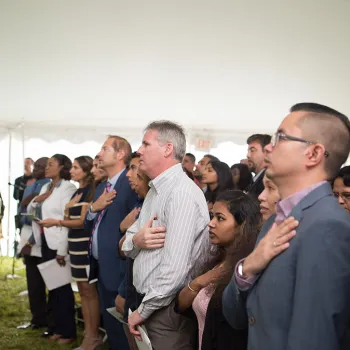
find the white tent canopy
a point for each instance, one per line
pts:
(72, 72)
(230, 67)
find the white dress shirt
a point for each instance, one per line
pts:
(180, 206)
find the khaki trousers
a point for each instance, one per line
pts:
(168, 330)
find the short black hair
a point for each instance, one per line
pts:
(66, 164)
(134, 155)
(191, 156)
(344, 173)
(262, 139)
(328, 127)
(322, 109)
(211, 157)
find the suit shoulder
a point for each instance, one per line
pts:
(327, 222)
(328, 210)
(125, 185)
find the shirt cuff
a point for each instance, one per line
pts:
(91, 216)
(242, 282)
(128, 247)
(145, 311)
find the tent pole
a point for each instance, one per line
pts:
(9, 194)
(23, 145)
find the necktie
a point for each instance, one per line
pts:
(100, 215)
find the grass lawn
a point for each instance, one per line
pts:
(14, 310)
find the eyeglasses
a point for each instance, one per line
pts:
(344, 195)
(278, 136)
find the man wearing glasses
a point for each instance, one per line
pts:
(293, 290)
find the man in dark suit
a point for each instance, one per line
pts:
(21, 182)
(293, 290)
(256, 158)
(113, 201)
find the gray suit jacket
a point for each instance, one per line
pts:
(302, 299)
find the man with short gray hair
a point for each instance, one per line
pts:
(167, 240)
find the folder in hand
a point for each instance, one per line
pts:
(145, 343)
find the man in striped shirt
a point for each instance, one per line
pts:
(169, 240)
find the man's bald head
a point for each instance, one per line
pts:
(39, 168)
(329, 128)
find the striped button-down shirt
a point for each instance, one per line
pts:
(180, 206)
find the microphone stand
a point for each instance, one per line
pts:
(15, 244)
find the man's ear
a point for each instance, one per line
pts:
(120, 154)
(314, 154)
(169, 148)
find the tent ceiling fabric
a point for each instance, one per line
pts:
(231, 67)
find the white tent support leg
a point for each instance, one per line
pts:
(9, 195)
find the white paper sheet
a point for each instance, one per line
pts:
(116, 314)
(145, 344)
(54, 275)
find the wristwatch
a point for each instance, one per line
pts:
(92, 208)
(240, 269)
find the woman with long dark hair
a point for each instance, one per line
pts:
(50, 203)
(233, 230)
(78, 244)
(241, 175)
(217, 176)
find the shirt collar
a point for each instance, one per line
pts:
(285, 206)
(58, 184)
(159, 182)
(258, 174)
(115, 178)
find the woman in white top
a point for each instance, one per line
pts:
(51, 203)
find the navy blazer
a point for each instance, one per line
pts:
(302, 299)
(111, 265)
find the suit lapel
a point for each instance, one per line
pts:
(116, 187)
(256, 182)
(119, 181)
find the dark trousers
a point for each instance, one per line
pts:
(36, 291)
(61, 301)
(116, 336)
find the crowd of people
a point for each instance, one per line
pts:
(203, 254)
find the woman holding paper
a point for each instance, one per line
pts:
(51, 203)
(78, 245)
(233, 229)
